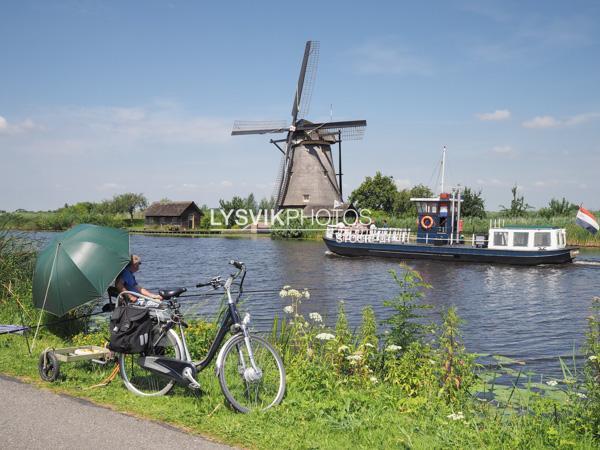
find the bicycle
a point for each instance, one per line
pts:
(250, 371)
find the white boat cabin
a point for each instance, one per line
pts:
(527, 238)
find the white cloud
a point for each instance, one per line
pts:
(531, 38)
(582, 118)
(21, 127)
(551, 122)
(499, 114)
(388, 58)
(226, 183)
(91, 130)
(542, 122)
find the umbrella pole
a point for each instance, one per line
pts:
(37, 328)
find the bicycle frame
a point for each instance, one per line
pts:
(231, 320)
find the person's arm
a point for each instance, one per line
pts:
(147, 293)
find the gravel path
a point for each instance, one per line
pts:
(31, 418)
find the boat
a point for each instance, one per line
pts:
(506, 245)
(439, 235)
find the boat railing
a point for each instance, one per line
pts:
(368, 235)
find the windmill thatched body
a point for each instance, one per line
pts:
(307, 177)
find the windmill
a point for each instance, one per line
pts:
(307, 178)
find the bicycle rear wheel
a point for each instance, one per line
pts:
(141, 381)
(244, 388)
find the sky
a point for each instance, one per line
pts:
(98, 98)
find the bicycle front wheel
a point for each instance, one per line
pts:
(247, 387)
(141, 381)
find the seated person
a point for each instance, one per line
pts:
(126, 281)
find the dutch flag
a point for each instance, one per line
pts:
(586, 219)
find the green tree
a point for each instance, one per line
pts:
(129, 203)
(267, 204)
(558, 208)
(235, 204)
(518, 206)
(377, 193)
(402, 204)
(473, 204)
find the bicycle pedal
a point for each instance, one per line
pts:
(195, 386)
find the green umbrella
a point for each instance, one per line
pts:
(78, 266)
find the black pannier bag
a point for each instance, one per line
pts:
(130, 330)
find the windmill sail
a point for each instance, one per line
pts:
(306, 178)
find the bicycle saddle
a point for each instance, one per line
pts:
(168, 294)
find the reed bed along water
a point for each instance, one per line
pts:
(55, 221)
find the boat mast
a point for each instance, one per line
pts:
(458, 217)
(443, 169)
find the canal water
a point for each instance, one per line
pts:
(533, 314)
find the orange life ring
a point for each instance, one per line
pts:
(427, 222)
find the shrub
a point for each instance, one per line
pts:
(403, 326)
(456, 366)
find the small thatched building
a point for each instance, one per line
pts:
(182, 215)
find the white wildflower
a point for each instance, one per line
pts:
(551, 382)
(373, 380)
(294, 293)
(343, 348)
(456, 416)
(325, 336)
(393, 348)
(283, 293)
(593, 358)
(306, 294)
(315, 317)
(581, 395)
(368, 344)
(354, 357)
(286, 287)
(288, 309)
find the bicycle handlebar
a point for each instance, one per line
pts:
(218, 281)
(237, 264)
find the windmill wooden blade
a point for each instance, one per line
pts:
(259, 127)
(349, 129)
(306, 80)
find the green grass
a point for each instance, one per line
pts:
(324, 408)
(313, 415)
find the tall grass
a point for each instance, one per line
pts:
(17, 261)
(58, 221)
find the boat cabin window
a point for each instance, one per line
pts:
(521, 239)
(500, 238)
(541, 239)
(426, 208)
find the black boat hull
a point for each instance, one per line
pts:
(452, 253)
